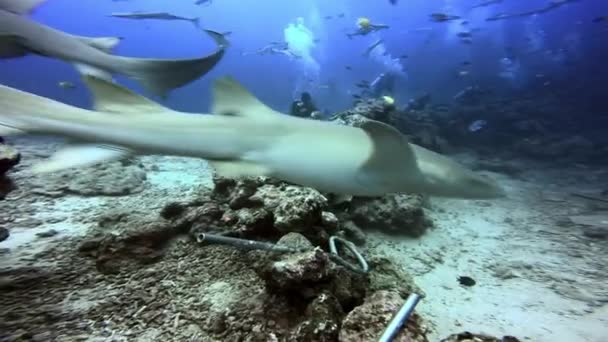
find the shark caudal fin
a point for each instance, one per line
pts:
(20, 6)
(159, 76)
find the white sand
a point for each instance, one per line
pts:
(528, 282)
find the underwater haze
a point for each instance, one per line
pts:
(564, 45)
(304, 170)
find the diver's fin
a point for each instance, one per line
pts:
(238, 169)
(80, 156)
(159, 76)
(114, 98)
(10, 47)
(105, 44)
(388, 143)
(19, 6)
(231, 98)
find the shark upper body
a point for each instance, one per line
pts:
(20, 36)
(243, 137)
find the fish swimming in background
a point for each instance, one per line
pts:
(155, 16)
(487, 3)
(203, 2)
(66, 85)
(601, 19)
(20, 36)
(243, 137)
(477, 125)
(442, 17)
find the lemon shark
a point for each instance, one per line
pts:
(243, 137)
(20, 36)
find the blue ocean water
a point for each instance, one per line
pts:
(564, 45)
(521, 99)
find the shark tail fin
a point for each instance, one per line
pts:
(159, 76)
(24, 112)
(20, 6)
(196, 22)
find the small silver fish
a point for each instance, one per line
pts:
(66, 85)
(477, 125)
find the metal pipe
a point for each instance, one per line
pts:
(334, 255)
(400, 318)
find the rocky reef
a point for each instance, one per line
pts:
(524, 125)
(148, 275)
(9, 158)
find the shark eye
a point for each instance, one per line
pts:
(229, 113)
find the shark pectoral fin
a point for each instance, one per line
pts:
(114, 98)
(19, 6)
(87, 70)
(238, 169)
(231, 98)
(10, 47)
(391, 150)
(105, 44)
(6, 131)
(80, 156)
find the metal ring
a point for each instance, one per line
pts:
(362, 266)
(200, 238)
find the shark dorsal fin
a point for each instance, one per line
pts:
(19, 6)
(114, 98)
(231, 98)
(391, 150)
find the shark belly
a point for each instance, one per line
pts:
(320, 162)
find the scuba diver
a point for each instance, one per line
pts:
(304, 107)
(366, 27)
(383, 85)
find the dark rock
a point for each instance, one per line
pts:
(322, 323)
(9, 157)
(352, 232)
(385, 275)
(6, 186)
(368, 321)
(172, 210)
(299, 272)
(401, 214)
(366, 109)
(467, 336)
(47, 234)
(4, 234)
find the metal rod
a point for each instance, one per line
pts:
(400, 318)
